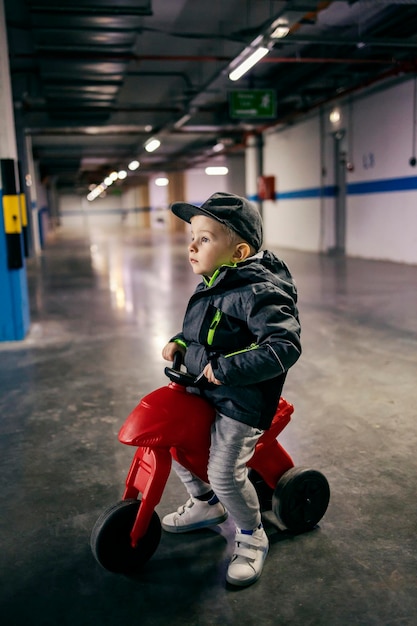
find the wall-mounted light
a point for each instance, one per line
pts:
(161, 181)
(248, 63)
(133, 165)
(335, 116)
(152, 144)
(216, 170)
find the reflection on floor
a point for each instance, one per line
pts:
(101, 310)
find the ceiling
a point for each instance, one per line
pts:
(93, 80)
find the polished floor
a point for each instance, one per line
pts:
(102, 307)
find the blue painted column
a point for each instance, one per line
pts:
(14, 301)
(14, 308)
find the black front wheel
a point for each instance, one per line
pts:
(110, 539)
(300, 499)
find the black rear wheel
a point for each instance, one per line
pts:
(110, 538)
(300, 499)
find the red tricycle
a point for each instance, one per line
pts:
(171, 423)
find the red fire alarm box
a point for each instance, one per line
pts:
(266, 187)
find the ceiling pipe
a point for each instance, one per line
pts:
(328, 60)
(95, 10)
(99, 57)
(311, 15)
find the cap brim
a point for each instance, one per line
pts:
(186, 211)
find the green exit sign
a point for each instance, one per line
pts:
(252, 103)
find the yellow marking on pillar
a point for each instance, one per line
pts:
(23, 211)
(11, 214)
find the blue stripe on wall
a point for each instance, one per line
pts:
(96, 211)
(314, 192)
(405, 183)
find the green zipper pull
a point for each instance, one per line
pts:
(214, 323)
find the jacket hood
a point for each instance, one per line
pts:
(263, 266)
(275, 270)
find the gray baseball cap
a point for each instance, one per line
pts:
(233, 211)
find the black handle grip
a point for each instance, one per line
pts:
(174, 373)
(177, 361)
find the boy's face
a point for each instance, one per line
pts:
(210, 246)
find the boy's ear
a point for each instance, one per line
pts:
(242, 252)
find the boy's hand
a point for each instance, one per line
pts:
(208, 373)
(170, 349)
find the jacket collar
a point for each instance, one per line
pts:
(209, 282)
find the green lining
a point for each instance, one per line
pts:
(209, 281)
(253, 346)
(214, 323)
(180, 342)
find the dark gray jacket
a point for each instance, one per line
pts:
(245, 322)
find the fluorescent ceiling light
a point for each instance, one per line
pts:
(122, 174)
(216, 171)
(161, 181)
(108, 181)
(114, 176)
(246, 65)
(281, 29)
(133, 165)
(97, 191)
(152, 144)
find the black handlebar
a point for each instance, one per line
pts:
(175, 374)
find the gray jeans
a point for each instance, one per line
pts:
(232, 445)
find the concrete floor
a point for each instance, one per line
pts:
(101, 310)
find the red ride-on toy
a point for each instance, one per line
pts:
(173, 423)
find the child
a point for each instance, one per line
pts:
(241, 330)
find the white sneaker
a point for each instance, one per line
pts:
(248, 558)
(194, 514)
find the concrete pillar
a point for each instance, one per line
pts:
(34, 209)
(176, 193)
(253, 168)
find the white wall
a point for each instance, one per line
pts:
(199, 186)
(383, 225)
(293, 158)
(77, 212)
(125, 208)
(381, 217)
(112, 210)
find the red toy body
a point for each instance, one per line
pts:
(173, 423)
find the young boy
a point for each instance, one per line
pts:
(241, 330)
